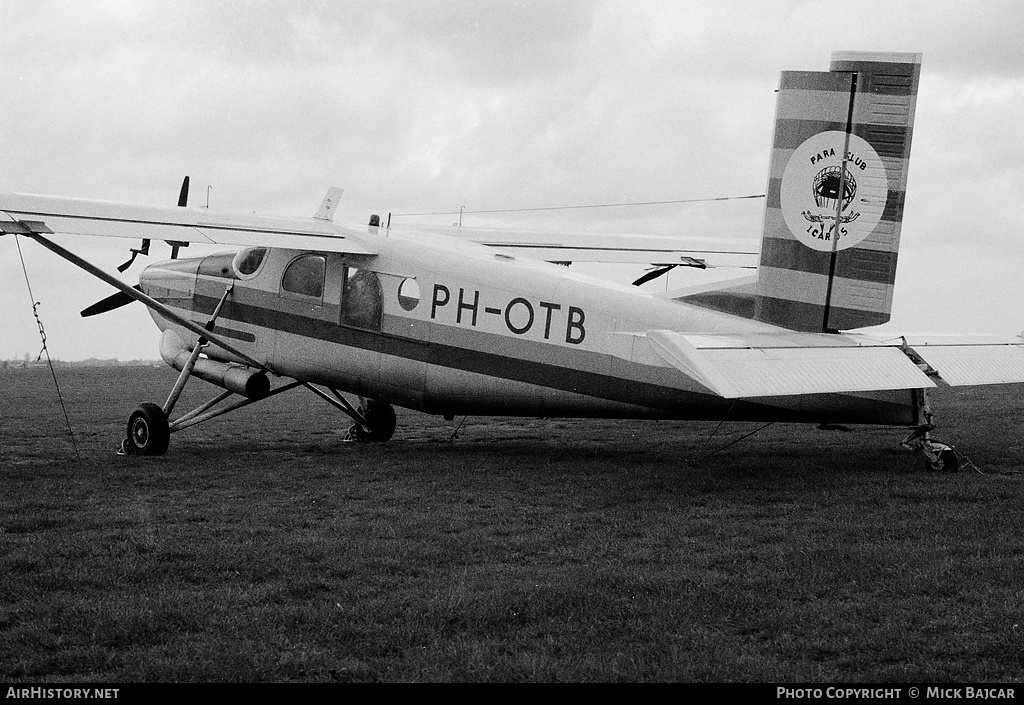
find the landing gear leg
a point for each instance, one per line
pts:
(375, 420)
(149, 431)
(938, 457)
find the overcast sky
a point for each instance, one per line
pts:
(416, 106)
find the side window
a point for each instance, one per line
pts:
(362, 304)
(305, 276)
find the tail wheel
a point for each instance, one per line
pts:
(945, 461)
(147, 431)
(380, 422)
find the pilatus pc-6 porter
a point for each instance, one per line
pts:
(486, 323)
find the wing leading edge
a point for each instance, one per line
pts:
(109, 219)
(558, 246)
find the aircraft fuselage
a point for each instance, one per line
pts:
(450, 327)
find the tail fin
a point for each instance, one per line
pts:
(836, 190)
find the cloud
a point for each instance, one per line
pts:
(429, 106)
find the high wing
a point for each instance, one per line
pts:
(37, 216)
(777, 364)
(109, 219)
(556, 246)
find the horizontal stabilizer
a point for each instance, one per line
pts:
(966, 364)
(762, 366)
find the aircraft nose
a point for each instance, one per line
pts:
(172, 279)
(163, 281)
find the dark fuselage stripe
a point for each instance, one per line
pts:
(518, 369)
(658, 392)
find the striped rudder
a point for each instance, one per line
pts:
(836, 190)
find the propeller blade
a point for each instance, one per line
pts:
(182, 202)
(110, 303)
(183, 196)
(144, 250)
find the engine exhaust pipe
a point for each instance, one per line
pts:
(239, 379)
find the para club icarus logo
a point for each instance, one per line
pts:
(826, 203)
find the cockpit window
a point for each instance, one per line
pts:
(305, 276)
(247, 262)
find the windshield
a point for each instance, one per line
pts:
(247, 262)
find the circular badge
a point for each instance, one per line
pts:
(409, 294)
(828, 204)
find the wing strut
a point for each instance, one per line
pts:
(35, 230)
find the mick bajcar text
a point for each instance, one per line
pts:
(965, 692)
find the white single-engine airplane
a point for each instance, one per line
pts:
(449, 326)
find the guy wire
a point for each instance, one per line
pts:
(591, 205)
(49, 362)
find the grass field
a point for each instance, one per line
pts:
(262, 548)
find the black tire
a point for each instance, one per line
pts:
(947, 461)
(381, 419)
(147, 431)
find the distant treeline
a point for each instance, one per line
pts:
(91, 362)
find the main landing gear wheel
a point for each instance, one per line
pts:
(147, 431)
(380, 420)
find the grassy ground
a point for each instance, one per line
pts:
(261, 548)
